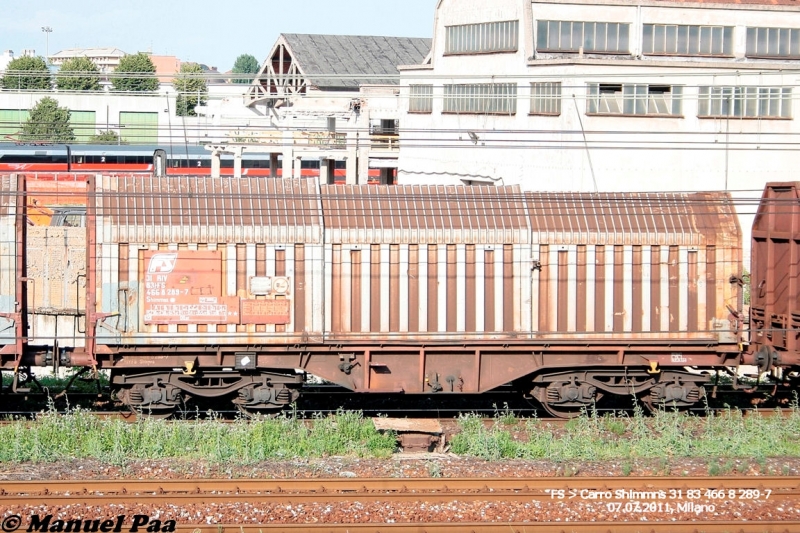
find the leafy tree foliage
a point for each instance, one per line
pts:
(245, 64)
(190, 84)
(27, 73)
(135, 72)
(48, 123)
(105, 137)
(78, 74)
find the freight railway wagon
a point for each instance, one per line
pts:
(236, 289)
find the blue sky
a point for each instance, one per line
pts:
(205, 31)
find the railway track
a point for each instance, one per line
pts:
(617, 502)
(522, 527)
(376, 489)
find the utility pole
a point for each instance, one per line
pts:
(47, 31)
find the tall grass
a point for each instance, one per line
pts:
(613, 437)
(79, 434)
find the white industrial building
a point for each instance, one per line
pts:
(609, 95)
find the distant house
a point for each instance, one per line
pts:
(301, 63)
(106, 59)
(333, 99)
(166, 67)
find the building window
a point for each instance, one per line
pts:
(546, 98)
(672, 39)
(633, 99)
(773, 42)
(482, 38)
(421, 99)
(490, 98)
(745, 102)
(592, 37)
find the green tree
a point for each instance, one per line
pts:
(105, 137)
(190, 84)
(78, 74)
(48, 123)
(27, 73)
(245, 64)
(135, 72)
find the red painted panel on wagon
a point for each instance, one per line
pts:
(185, 287)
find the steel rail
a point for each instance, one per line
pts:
(392, 489)
(508, 527)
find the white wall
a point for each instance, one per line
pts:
(627, 153)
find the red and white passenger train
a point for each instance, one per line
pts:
(177, 160)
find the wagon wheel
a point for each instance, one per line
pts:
(261, 411)
(154, 413)
(568, 410)
(647, 403)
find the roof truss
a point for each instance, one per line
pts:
(279, 78)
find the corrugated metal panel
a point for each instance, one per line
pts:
(632, 218)
(633, 265)
(423, 214)
(235, 260)
(210, 210)
(437, 292)
(433, 263)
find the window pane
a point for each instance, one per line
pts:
(624, 44)
(577, 37)
(705, 40)
(694, 40)
(761, 41)
(553, 33)
(660, 39)
(786, 102)
(702, 102)
(488, 37)
(629, 99)
(784, 48)
(682, 46)
(541, 35)
(773, 40)
(589, 30)
(592, 96)
(677, 99)
(647, 39)
(671, 45)
(727, 37)
(566, 32)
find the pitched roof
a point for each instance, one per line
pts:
(344, 61)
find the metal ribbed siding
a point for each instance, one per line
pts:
(263, 227)
(427, 262)
(633, 265)
(8, 254)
